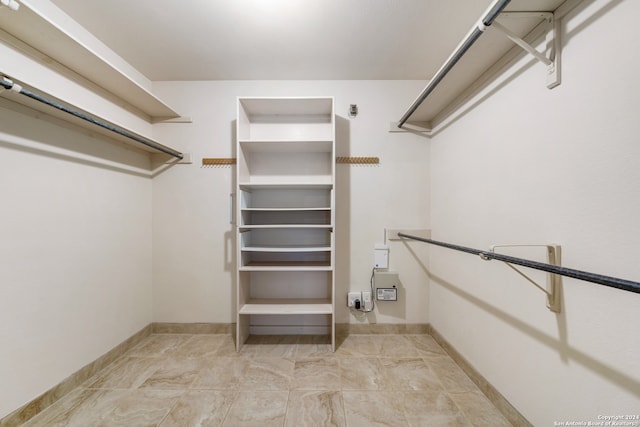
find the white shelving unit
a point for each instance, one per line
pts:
(285, 217)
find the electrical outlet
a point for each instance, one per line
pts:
(352, 297)
(367, 302)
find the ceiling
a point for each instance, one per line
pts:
(279, 39)
(172, 40)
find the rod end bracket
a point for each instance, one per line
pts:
(554, 281)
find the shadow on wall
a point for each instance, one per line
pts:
(343, 216)
(560, 345)
(230, 244)
(56, 139)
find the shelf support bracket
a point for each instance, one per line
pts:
(552, 289)
(552, 61)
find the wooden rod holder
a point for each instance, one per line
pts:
(209, 161)
(358, 160)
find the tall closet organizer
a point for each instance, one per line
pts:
(285, 213)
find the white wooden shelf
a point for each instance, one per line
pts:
(485, 61)
(44, 27)
(286, 266)
(48, 54)
(285, 183)
(286, 146)
(286, 248)
(286, 306)
(300, 209)
(270, 109)
(248, 227)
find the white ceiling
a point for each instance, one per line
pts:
(279, 39)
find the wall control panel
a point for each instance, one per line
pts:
(387, 294)
(387, 284)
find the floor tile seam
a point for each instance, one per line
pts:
(111, 388)
(461, 409)
(344, 408)
(315, 389)
(179, 358)
(169, 411)
(382, 356)
(437, 376)
(405, 410)
(475, 386)
(213, 388)
(339, 392)
(141, 381)
(402, 409)
(291, 387)
(175, 334)
(105, 369)
(184, 390)
(143, 356)
(481, 393)
(234, 394)
(264, 356)
(56, 407)
(393, 389)
(315, 359)
(426, 354)
(147, 356)
(226, 413)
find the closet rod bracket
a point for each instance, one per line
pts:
(552, 288)
(552, 42)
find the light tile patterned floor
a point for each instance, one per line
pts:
(200, 380)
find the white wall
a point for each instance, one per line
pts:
(530, 165)
(192, 238)
(75, 252)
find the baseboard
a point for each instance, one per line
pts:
(49, 397)
(193, 328)
(498, 400)
(341, 328)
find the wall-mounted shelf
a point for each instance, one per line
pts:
(483, 53)
(44, 27)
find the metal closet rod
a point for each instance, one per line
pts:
(8, 84)
(493, 12)
(614, 282)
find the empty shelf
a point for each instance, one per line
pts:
(287, 306)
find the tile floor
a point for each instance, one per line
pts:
(200, 380)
